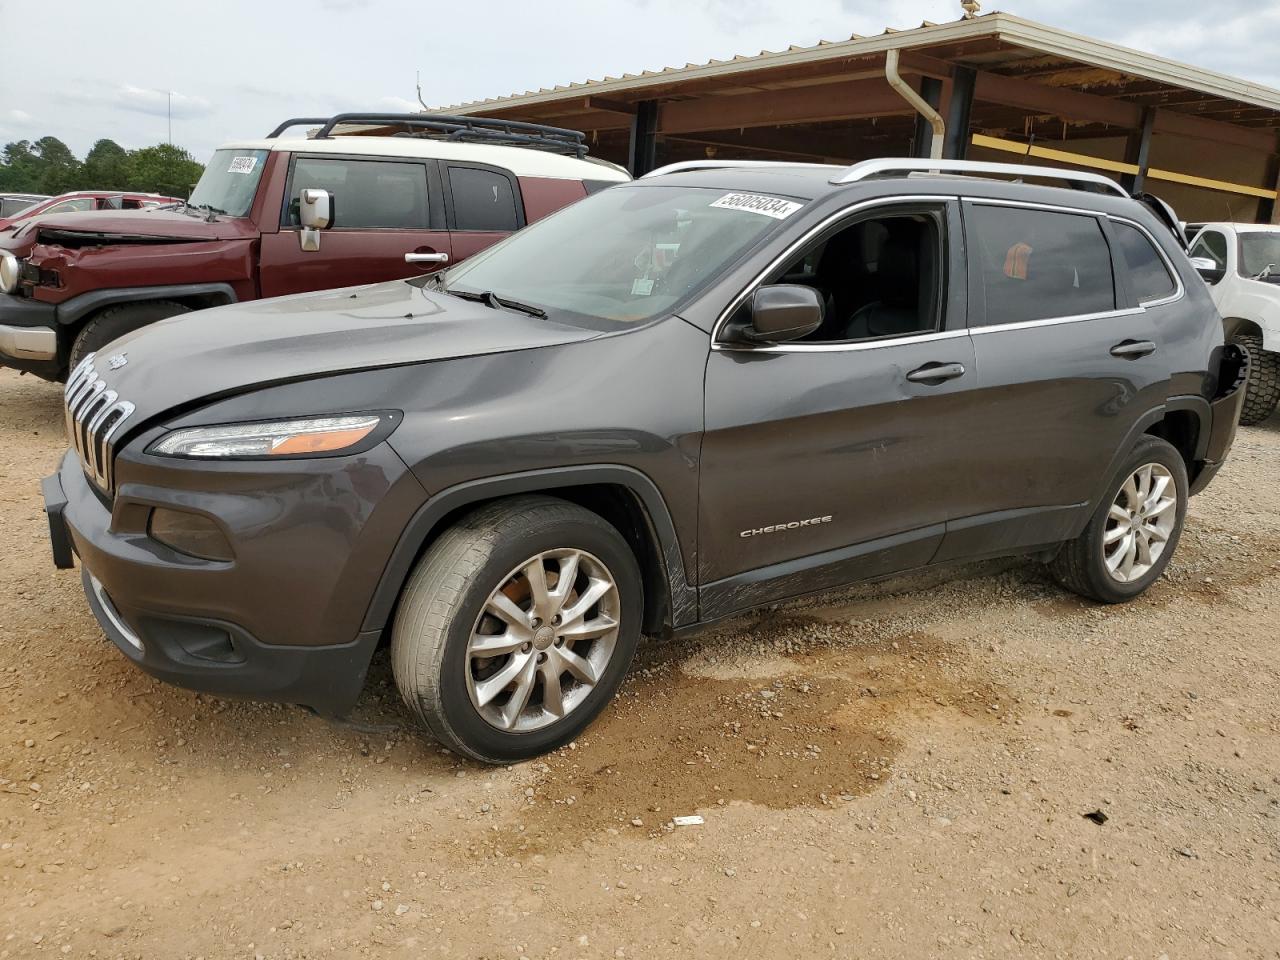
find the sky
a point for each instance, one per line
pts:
(236, 68)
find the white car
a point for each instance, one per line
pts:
(1241, 264)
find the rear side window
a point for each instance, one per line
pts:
(366, 193)
(1037, 264)
(482, 200)
(1149, 278)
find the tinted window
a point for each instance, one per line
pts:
(1148, 276)
(482, 200)
(1213, 245)
(366, 193)
(1037, 264)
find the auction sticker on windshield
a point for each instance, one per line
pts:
(242, 164)
(774, 207)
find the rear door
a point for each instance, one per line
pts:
(483, 206)
(383, 208)
(1068, 362)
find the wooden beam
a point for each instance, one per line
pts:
(1074, 105)
(610, 106)
(837, 101)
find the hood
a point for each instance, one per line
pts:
(211, 354)
(125, 226)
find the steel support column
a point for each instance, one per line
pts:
(922, 141)
(956, 143)
(643, 152)
(1137, 150)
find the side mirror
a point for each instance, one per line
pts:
(1208, 269)
(315, 212)
(781, 312)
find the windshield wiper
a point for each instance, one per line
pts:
(489, 298)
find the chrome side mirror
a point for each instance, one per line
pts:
(315, 212)
(1208, 269)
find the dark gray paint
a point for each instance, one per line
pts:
(709, 442)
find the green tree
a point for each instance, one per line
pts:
(59, 168)
(105, 167)
(19, 168)
(163, 168)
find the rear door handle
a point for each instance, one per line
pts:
(426, 258)
(1133, 349)
(935, 373)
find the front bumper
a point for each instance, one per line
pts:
(29, 336)
(203, 624)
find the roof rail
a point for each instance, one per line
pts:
(448, 127)
(684, 165)
(296, 122)
(887, 165)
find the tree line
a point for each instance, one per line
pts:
(49, 166)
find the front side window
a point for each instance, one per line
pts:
(1149, 277)
(366, 193)
(1039, 264)
(482, 200)
(878, 278)
(627, 254)
(1213, 245)
(230, 182)
(1260, 256)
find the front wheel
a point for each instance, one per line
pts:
(1135, 529)
(517, 627)
(114, 322)
(1262, 393)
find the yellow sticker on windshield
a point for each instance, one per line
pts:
(774, 207)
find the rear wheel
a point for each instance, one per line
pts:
(1135, 529)
(517, 627)
(114, 322)
(1263, 390)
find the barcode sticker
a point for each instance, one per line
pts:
(242, 164)
(774, 207)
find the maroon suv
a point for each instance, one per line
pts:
(391, 196)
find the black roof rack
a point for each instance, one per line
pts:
(440, 126)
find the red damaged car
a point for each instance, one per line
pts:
(389, 196)
(83, 201)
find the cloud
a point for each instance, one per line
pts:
(145, 100)
(399, 104)
(19, 116)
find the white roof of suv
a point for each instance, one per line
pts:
(521, 161)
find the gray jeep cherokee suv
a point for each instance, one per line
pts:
(717, 387)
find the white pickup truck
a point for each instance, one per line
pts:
(1244, 281)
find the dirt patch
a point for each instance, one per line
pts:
(822, 732)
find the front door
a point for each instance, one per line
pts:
(382, 209)
(1069, 360)
(833, 458)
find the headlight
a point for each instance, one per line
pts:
(9, 272)
(313, 436)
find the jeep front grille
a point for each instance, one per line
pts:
(94, 414)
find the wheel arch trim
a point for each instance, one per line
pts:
(77, 308)
(426, 522)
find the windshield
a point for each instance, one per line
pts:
(230, 181)
(629, 254)
(1259, 251)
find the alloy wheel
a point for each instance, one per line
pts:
(1140, 523)
(543, 640)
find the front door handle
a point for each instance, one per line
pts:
(426, 258)
(933, 374)
(1133, 349)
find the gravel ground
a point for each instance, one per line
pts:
(890, 772)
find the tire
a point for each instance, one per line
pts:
(445, 607)
(1263, 390)
(114, 322)
(1081, 565)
